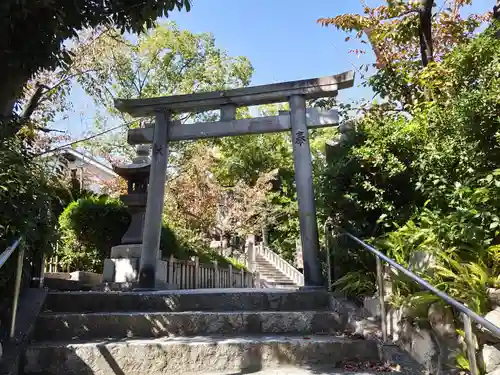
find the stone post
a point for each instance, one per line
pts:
(196, 272)
(216, 275)
(251, 256)
(154, 207)
(265, 236)
(305, 193)
(171, 279)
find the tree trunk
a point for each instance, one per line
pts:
(425, 16)
(496, 11)
(11, 90)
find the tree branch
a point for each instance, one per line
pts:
(425, 16)
(48, 130)
(33, 102)
(65, 79)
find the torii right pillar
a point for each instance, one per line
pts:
(305, 193)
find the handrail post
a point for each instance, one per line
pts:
(42, 271)
(17, 290)
(470, 344)
(251, 256)
(467, 314)
(381, 296)
(328, 234)
(425, 284)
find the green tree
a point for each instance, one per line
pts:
(34, 34)
(165, 61)
(248, 157)
(427, 179)
(404, 37)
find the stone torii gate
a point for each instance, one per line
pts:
(298, 120)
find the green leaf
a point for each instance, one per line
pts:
(463, 362)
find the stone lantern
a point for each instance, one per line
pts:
(137, 175)
(124, 263)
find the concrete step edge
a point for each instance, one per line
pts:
(167, 293)
(276, 277)
(181, 355)
(205, 340)
(188, 313)
(275, 299)
(61, 327)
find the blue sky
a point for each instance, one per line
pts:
(280, 37)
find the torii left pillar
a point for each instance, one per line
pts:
(154, 208)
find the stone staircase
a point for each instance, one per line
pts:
(272, 277)
(218, 331)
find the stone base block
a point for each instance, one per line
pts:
(121, 270)
(108, 271)
(372, 305)
(126, 251)
(126, 269)
(90, 278)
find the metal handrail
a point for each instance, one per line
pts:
(8, 252)
(467, 314)
(19, 270)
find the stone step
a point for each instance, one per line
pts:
(266, 284)
(270, 270)
(188, 300)
(279, 285)
(309, 370)
(274, 274)
(277, 279)
(265, 265)
(58, 326)
(194, 355)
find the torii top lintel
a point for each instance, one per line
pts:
(255, 95)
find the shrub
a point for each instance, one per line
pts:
(427, 163)
(91, 226)
(26, 198)
(429, 183)
(169, 245)
(29, 206)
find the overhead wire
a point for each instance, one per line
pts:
(84, 139)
